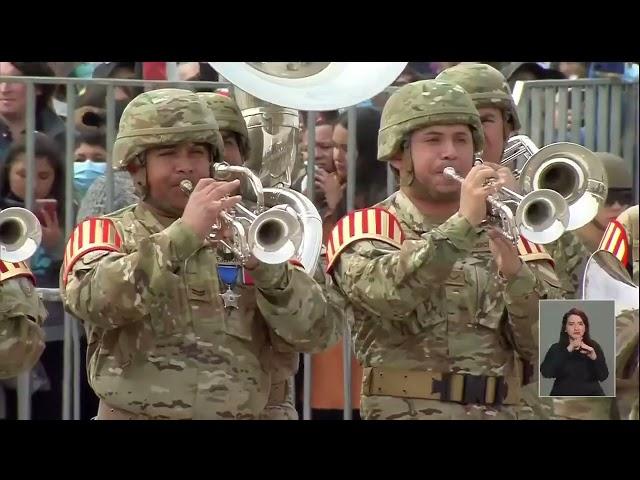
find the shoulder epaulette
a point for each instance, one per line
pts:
(15, 269)
(88, 236)
(615, 241)
(530, 251)
(368, 223)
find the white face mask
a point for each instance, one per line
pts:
(60, 107)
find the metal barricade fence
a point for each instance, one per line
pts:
(72, 332)
(598, 113)
(71, 360)
(615, 130)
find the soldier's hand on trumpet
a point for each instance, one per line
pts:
(504, 253)
(208, 199)
(475, 188)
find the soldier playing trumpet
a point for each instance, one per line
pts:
(164, 343)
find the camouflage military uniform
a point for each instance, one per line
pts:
(161, 343)
(281, 405)
(627, 326)
(22, 314)
(487, 87)
(571, 252)
(434, 325)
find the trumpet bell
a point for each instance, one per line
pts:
(542, 216)
(20, 234)
(275, 235)
(575, 173)
(606, 279)
(311, 86)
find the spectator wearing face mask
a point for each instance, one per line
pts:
(90, 158)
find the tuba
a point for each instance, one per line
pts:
(269, 94)
(605, 278)
(20, 234)
(572, 170)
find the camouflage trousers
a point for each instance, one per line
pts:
(533, 407)
(395, 408)
(583, 408)
(281, 404)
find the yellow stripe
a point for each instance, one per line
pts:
(371, 221)
(384, 220)
(614, 239)
(357, 220)
(621, 251)
(606, 236)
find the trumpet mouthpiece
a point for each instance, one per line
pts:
(186, 186)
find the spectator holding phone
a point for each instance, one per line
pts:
(48, 205)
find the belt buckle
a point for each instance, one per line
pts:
(475, 389)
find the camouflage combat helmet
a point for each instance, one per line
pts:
(165, 117)
(422, 104)
(618, 172)
(486, 85)
(228, 116)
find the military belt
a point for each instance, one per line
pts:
(446, 387)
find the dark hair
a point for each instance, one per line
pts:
(91, 137)
(371, 174)
(564, 337)
(330, 117)
(38, 69)
(44, 147)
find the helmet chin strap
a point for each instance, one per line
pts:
(598, 225)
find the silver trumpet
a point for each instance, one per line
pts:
(20, 234)
(280, 226)
(572, 170)
(540, 217)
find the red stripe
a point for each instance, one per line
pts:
(378, 221)
(392, 226)
(613, 232)
(618, 245)
(92, 231)
(16, 265)
(527, 247)
(79, 228)
(118, 240)
(333, 249)
(340, 231)
(105, 231)
(352, 224)
(3, 267)
(365, 223)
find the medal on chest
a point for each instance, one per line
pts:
(229, 277)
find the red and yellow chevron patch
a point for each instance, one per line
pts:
(15, 269)
(530, 251)
(368, 223)
(616, 242)
(92, 234)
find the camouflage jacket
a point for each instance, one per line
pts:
(22, 315)
(434, 300)
(161, 343)
(628, 327)
(627, 341)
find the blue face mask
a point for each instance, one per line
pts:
(84, 173)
